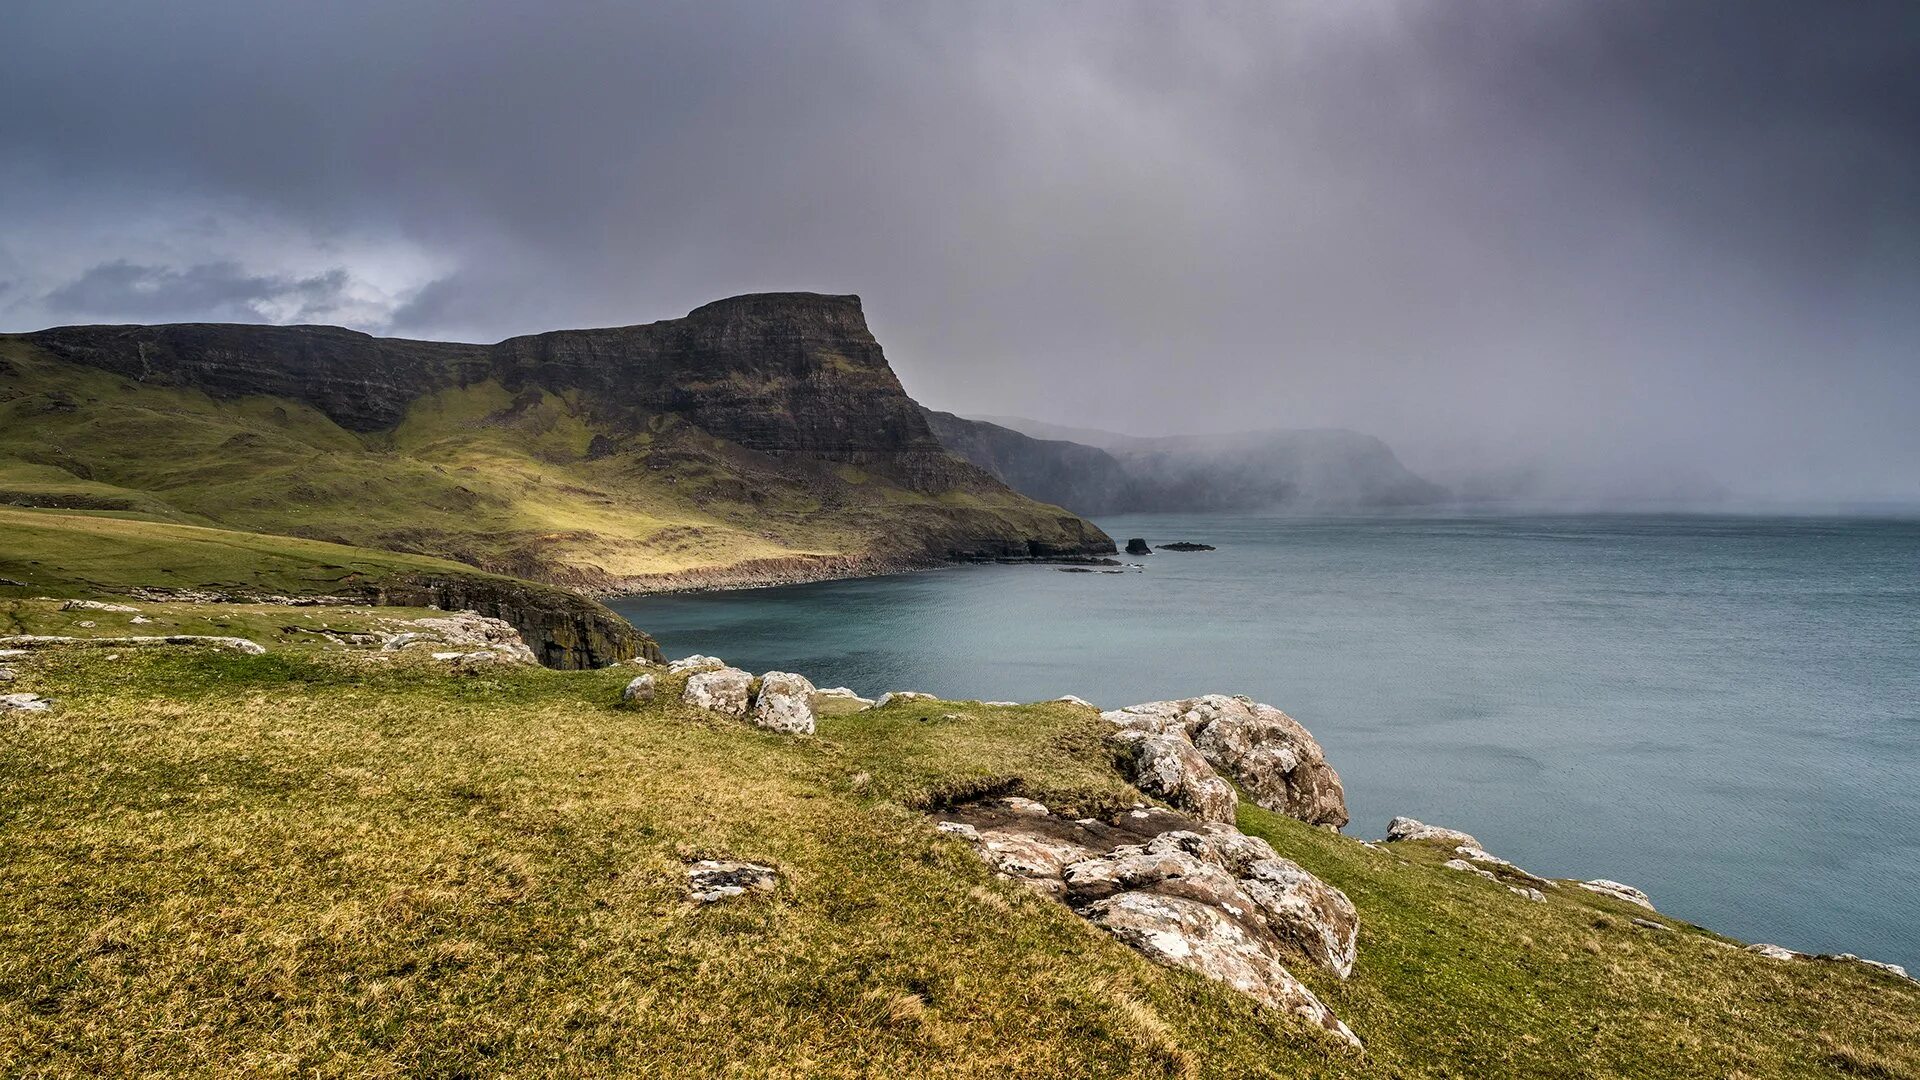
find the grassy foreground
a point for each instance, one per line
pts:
(229, 865)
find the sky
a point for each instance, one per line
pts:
(1613, 249)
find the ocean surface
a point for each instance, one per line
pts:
(1723, 711)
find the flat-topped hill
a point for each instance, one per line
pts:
(759, 436)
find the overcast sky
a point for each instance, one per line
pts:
(1626, 247)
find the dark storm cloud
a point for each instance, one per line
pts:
(1605, 244)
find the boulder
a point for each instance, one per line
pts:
(1138, 546)
(24, 703)
(1406, 828)
(1618, 892)
(695, 663)
(1466, 867)
(640, 691)
(1168, 767)
(713, 879)
(785, 703)
(1268, 753)
(1203, 939)
(724, 690)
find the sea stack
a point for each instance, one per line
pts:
(1137, 546)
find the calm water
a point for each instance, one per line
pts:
(1723, 711)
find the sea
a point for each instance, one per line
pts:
(1721, 710)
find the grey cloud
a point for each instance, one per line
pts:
(209, 292)
(1619, 240)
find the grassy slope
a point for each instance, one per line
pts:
(474, 474)
(102, 555)
(239, 865)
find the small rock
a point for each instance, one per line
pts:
(723, 690)
(1649, 924)
(1466, 867)
(785, 703)
(901, 695)
(1775, 952)
(7, 674)
(24, 703)
(85, 624)
(139, 620)
(1618, 891)
(711, 879)
(1534, 895)
(1406, 828)
(95, 605)
(1891, 969)
(639, 691)
(695, 663)
(1024, 807)
(1002, 704)
(1071, 699)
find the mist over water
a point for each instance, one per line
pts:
(1721, 710)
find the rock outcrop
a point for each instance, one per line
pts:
(1199, 896)
(24, 703)
(563, 629)
(1617, 891)
(1265, 751)
(1167, 766)
(1138, 546)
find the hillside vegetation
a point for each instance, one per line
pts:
(698, 451)
(225, 865)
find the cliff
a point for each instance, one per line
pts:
(1096, 472)
(764, 429)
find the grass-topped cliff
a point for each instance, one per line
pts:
(222, 864)
(193, 579)
(759, 435)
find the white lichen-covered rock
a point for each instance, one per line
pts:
(1267, 752)
(24, 703)
(7, 674)
(1466, 867)
(1406, 828)
(640, 691)
(892, 696)
(725, 690)
(713, 879)
(1775, 952)
(97, 605)
(1202, 896)
(785, 703)
(1204, 939)
(695, 663)
(1167, 766)
(54, 641)
(1001, 704)
(1878, 965)
(1073, 699)
(1618, 892)
(1534, 895)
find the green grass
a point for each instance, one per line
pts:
(70, 554)
(227, 865)
(507, 482)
